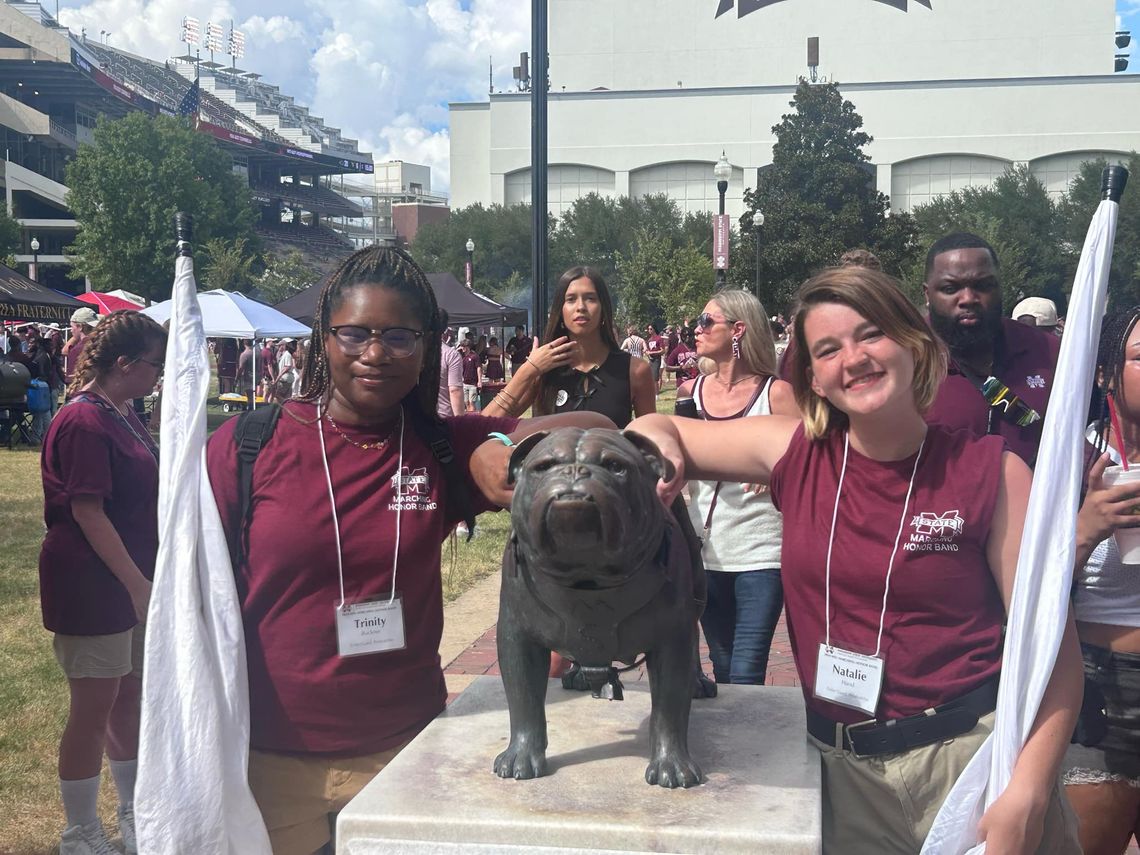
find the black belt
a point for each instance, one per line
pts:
(871, 738)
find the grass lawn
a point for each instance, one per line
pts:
(33, 693)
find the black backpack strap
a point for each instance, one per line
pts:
(438, 437)
(252, 432)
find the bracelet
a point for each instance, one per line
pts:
(501, 437)
(533, 364)
(508, 406)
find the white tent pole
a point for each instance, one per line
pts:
(253, 388)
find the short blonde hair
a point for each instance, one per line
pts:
(880, 299)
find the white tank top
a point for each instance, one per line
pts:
(745, 529)
(1107, 591)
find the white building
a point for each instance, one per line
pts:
(645, 94)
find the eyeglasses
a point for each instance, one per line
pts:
(398, 342)
(706, 320)
(152, 363)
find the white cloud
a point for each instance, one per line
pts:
(380, 70)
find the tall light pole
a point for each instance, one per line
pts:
(540, 79)
(722, 172)
(470, 263)
(35, 259)
(757, 224)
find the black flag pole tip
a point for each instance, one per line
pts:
(1112, 183)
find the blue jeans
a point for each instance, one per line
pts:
(738, 622)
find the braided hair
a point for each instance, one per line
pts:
(385, 267)
(1114, 333)
(125, 333)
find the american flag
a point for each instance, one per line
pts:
(188, 106)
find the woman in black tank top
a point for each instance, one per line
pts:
(580, 366)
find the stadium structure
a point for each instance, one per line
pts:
(54, 85)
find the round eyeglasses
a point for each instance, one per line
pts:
(398, 342)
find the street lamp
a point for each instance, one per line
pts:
(470, 262)
(35, 258)
(722, 172)
(757, 224)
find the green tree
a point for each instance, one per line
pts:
(227, 265)
(818, 199)
(1075, 212)
(689, 285)
(1019, 219)
(641, 269)
(9, 234)
(125, 189)
(284, 276)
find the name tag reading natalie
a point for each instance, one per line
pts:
(374, 626)
(849, 679)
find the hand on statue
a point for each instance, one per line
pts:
(560, 352)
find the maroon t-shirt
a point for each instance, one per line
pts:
(471, 363)
(305, 698)
(71, 358)
(942, 633)
(1025, 360)
(683, 357)
(88, 451)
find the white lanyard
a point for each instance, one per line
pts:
(332, 504)
(894, 551)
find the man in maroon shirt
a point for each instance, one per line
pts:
(987, 351)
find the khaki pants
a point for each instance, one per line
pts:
(299, 796)
(887, 804)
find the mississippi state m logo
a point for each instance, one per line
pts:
(939, 525)
(411, 482)
(747, 7)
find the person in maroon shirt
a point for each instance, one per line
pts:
(348, 511)
(903, 640)
(100, 478)
(682, 359)
(987, 351)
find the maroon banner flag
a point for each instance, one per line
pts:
(720, 241)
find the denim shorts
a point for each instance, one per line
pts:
(1117, 756)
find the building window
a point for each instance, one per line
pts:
(689, 183)
(565, 184)
(1057, 171)
(917, 182)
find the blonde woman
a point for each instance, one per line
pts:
(741, 526)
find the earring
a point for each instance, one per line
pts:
(736, 347)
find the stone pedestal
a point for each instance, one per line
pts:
(762, 792)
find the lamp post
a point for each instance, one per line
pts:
(35, 259)
(757, 224)
(470, 263)
(722, 172)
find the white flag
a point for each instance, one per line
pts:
(192, 794)
(1040, 602)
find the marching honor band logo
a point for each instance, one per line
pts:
(412, 490)
(935, 532)
(747, 7)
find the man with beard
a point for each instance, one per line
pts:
(1000, 372)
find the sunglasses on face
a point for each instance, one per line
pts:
(705, 320)
(398, 342)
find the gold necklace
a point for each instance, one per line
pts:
(736, 382)
(367, 446)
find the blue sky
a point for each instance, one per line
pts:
(381, 70)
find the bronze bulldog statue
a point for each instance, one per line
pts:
(597, 570)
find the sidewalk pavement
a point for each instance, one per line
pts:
(468, 645)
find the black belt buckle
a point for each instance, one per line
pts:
(848, 729)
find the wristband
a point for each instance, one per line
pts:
(501, 437)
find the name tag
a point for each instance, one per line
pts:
(376, 626)
(849, 679)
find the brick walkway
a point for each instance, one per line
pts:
(481, 658)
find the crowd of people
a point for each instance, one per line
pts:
(871, 485)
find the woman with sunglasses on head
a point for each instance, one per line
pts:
(579, 367)
(1102, 774)
(333, 697)
(100, 478)
(900, 545)
(741, 527)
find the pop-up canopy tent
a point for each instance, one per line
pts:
(106, 303)
(465, 308)
(21, 299)
(227, 314)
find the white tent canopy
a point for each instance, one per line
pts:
(227, 314)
